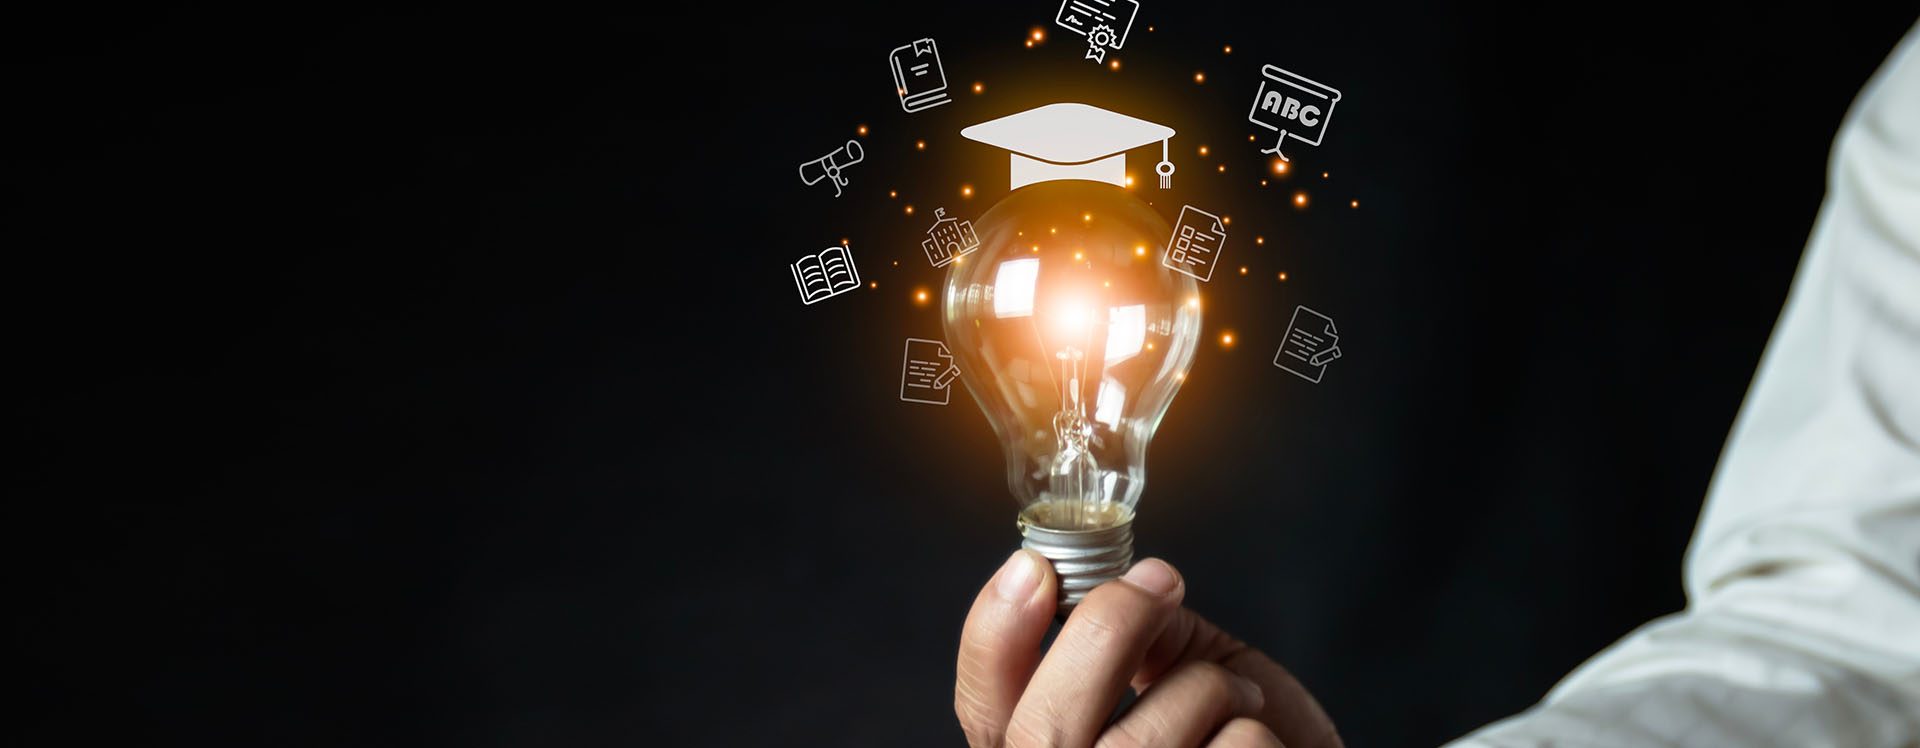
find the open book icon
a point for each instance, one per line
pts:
(825, 275)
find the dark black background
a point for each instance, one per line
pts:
(434, 375)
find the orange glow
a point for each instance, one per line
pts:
(1324, 175)
(1149, 346)
(1227, 220)
(1029, 44)
(1203, 150)
(920, 296)
(843, 242)
(1193, 302)
(1129, 180)
(1279, 167)
(909, 210)
(1223, 168)
(1087, 217)
(1115, 64)
(863, 129)
(896, 263)
(978, 87)
(893, 193)
(1180, 375)
(873, 285)
(1199, 77)
(1249, 138)
(1139, 251)
(1229, 49)
(1300, 199)
(966, 190)
(1243, 270)
(1226, 340)
(1077, 256)
(1038, 35)
(1356, 203)
(1259, 240)
(1263, 183)
(920, 145)
(1283, 276)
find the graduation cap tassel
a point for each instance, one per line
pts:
(1164, 168)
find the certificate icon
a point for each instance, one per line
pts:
(1197, 240)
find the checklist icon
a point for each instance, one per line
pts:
(1197, 240)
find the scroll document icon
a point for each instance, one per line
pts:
(1292, 105)
(829, 166)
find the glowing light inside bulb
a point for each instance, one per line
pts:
(1193, 302)
(1140, 251)
(1126, 332)
(1013, 287)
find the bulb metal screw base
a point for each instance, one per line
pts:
(1082, 559)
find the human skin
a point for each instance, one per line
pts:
(1198, 685)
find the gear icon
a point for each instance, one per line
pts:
(1102, 36)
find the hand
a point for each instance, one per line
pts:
(1197, 685)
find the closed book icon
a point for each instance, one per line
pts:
(917, 76)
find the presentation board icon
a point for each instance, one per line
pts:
(948, 239)
(828, 167)
(825, 275)
(1104, 23)
(927, 372)
(1310, 344)
(917, 75)
(1293, 106)
(1197, 240)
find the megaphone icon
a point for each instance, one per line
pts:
(829, 166)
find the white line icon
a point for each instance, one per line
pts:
(1104, 23)
(1195, 246)
(1292, 104)
(948, 239)
(927, 372)
(1310, 344)
(825, 275)
(1072, 141)
(917, 75)
(829, 166)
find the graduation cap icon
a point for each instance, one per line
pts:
(1072, 141)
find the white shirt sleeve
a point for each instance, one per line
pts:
(1802, 624)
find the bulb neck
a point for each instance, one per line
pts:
(1082, 559)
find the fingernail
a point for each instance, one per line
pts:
(1249, 694)
(1153, 575)
(1018, 576)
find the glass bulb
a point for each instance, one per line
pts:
(1073, 338)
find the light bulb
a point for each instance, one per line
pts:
(1073, 338)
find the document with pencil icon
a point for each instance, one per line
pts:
(1311, 343)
